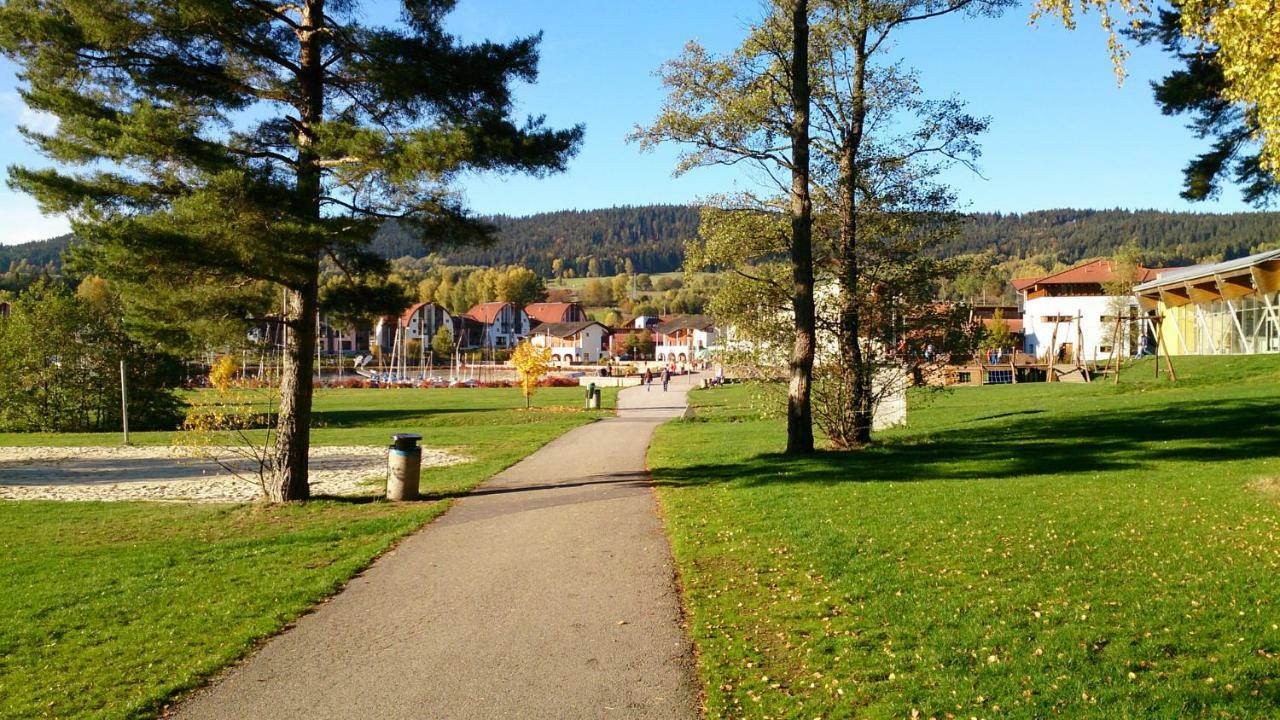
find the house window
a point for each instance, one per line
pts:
(1056, 318)
(964, 378)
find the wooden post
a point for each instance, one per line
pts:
(1116, 344)
(1115, 355)
(1080, 343)
(1168, 359)
(1051, 357)
(124, 401)
(1159, 327)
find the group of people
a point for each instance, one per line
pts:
(647, 378)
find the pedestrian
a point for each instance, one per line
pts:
(647, 379)
(666, 378)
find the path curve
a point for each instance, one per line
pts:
(549, 592)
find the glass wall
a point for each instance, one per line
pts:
(1238, 327)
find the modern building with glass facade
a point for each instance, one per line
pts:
(1227, 308)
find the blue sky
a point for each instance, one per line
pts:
(1062, 134)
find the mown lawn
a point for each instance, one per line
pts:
(110, 610)
(1018, 552)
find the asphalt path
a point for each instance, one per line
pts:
(548, 592)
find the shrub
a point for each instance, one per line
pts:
(60, 367)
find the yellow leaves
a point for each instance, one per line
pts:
(223, 373)
(1066, 11)
(531, 364)
(1247, 34)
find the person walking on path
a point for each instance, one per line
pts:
(647, 379)
(666, 378)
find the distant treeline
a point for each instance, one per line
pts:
(21, 265)
(1069, 236)
(650, 238)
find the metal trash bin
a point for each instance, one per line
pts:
(593, 397)
(404, 466)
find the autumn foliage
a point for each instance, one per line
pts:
(531, 364)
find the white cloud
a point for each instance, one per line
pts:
(38, 120)
(21, 221)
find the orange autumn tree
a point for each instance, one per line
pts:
(531, 364)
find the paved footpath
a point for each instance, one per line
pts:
(548, 592)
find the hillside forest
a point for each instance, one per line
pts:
(650, 239)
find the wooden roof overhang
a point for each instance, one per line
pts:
(1231, 284)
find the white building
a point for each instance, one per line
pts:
(573, 343)
(684, 338)
(1068, 317)
(424, 320)
(505, 324)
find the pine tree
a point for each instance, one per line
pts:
(234, 144)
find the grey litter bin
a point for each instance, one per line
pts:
(593, 397)
(404, 465)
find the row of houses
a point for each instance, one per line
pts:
(565, 327)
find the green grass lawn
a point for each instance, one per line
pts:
(1017, 552)
(109, 610)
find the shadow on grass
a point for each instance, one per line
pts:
(1075, 444)
(351, 499)
(378, 417)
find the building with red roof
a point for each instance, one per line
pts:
(555, 312)
(1070, 316)
(505, 324)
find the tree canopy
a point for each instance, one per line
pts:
(209, 152)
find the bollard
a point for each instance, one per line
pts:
(404, 465)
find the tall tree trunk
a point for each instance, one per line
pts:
(293, 427)
(288, 479)
(856, 365)
(799, 409)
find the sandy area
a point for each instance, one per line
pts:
(167, 473)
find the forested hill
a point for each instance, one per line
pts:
(651, 236)
(1069, 236)
(599, 242)
(20, 265)
(39, 253)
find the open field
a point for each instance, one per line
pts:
(112, 609)
(1019, 551)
